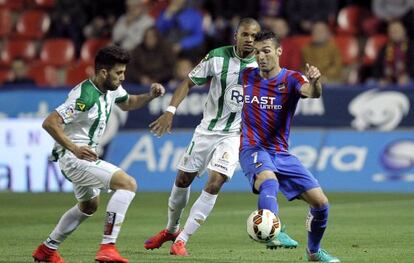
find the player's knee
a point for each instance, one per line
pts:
(214, 184)
(131, 184)
(183, 180)
(320, 202)
(88, 208)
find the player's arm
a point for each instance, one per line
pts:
(137, 101)
(53, 125)
(164, 122)
(313, 88)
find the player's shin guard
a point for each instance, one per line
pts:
(316, 223)
(198, 214)
(70, 220)
(267, 195)
(176, 204)
(115, 214)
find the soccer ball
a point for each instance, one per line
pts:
(263, 225)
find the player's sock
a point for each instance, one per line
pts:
(176, 204)
(267, 197)
(70, 220)
(316, 223)
(198, 214)
(115, 214)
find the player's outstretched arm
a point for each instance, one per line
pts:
(313, 89)
(137, 101)
(164, 122)
(53, 125)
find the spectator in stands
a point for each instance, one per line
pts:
(19, 73)
(68, 19)
(301, 14)
(129, 29)
(323, 53)
(151, 61)
(182, 27)
(395, 10)
(291, 55)
(395, 62)
(182, 67)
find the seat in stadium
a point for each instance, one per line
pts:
(41, 4)
(372, 47)
(57, 52)
(32, 24)
(44, 75)
(5, 22)
(301, 40)
(4, 75)
(78, 72)
(349, 48)
(90, 47)
(18, 48)
(349, 19)
(15, 5)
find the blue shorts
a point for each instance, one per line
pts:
(294, 179)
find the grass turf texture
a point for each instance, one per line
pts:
(362, 228)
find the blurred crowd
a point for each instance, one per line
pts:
(350, 41)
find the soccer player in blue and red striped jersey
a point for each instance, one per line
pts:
(271, 94)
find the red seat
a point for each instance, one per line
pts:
(32, 24)
(372, 47)
(19, 48)
(349, 19)
(57, 52)
(16, 5)
(5, 22)
(44, 75)
(78, 72)
(301, 40)
(4, 75)
(91, 47)
(348, 46)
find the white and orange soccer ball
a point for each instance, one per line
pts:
(263, 225)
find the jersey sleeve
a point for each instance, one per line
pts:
(297, 80)
(70, 109)
(201, 73)
(121, 95)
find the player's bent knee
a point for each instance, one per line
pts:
(89, 207)
(121, 180)
(184, 179)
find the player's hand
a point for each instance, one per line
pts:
(162, 124)
(157, 90)
(85, 153)
(312, 73)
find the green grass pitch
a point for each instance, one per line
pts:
(362, 228)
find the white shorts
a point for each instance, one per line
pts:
(219, 153)
(87, 177)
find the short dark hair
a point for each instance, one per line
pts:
(265, 35)
(108, 56)
(247, 21)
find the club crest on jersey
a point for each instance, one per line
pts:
(233, 98)
(80, 105)
(281, 86)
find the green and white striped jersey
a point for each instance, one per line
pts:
(85, 114)
(222, 111)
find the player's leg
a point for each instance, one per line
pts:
(221, 158)
(259, 168)
(180, 193)
(298, 182)
(125, 187)
(199, 211)
(316, 223)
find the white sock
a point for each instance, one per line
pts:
(70, 220)
(176, 204)
(198, 214)
(115, 214)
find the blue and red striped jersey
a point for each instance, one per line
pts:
(268, 109)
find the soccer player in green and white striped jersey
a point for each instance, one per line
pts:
(77, 126)
(215, 143)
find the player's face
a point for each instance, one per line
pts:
(245, 37)
(114, 77)
(267, 55)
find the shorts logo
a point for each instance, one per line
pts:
(226, 156)
(258, 165)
